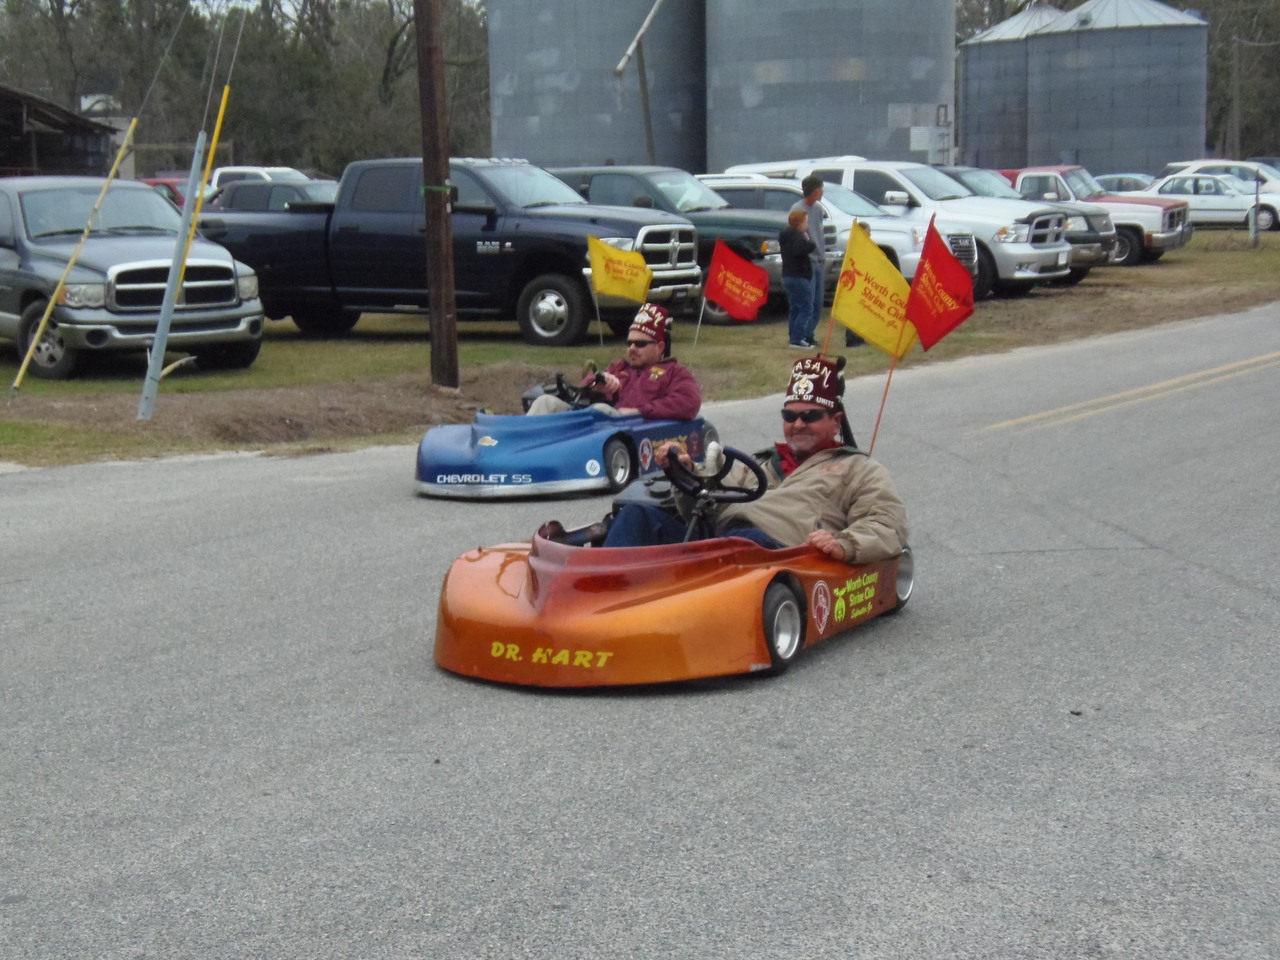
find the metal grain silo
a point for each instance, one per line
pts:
(554, 96)
(992, 114)
(804, 78)
(1117, 85)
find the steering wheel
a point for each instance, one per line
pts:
(577, 397)
(708, 486)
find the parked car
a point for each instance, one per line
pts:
(1273, 162)
(752, 234)
(271, 194)
(1124, 182)
(1219, 201)
(1146, 227)
(1019, 243)
(224, 175)
(1090, 231)
(113, 295)
(1264, 175)
(172, 189)
(900, 239)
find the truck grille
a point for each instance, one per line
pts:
(668, 247)
(1048, 230)
(1175, 218)
(140, 286)
(963, 248)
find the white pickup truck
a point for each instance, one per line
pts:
(1019, 244)
(1146, 226)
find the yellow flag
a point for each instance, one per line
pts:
(871, 297)
(618, 273)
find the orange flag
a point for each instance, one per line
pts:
(735, 283)
(942, 292)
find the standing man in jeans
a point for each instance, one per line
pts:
(812, 187)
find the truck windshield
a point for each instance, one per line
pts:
(1082, 184)
(525, 185)
(935, 184)
(686, 192)
(987, 183)
(65, 210)
(850, 202)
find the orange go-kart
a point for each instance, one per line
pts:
(563, 611)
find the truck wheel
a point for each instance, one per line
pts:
(1074, 276)
(323, 321)
(1266, 219)
(551, 311)
(53, 359)
(619, 322)
(619, 463)
(1128, 252)
(985, 281)
(783, 626)
(228, 356)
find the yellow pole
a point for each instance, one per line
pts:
(208, 168)
(75, 254)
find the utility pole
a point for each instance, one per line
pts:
(637, 47)
(436, 194)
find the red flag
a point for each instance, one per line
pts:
(941, 295)
(736, 284)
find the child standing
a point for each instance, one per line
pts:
(797, 277)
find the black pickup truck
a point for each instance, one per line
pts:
(519, 250)
(112, 298)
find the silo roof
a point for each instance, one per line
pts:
(1109, 14)
(1030, 20)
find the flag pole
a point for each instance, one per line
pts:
(884, 397)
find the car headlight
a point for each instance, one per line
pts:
(917, 237)
(770, 247)
(620, 243)
(1077, 224)
(83, 295)
(247, 286)
(1012, 233)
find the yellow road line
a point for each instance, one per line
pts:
(1154, 391)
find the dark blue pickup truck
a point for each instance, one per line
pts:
(519, 250)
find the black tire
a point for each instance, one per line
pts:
(1074, 276)
(716, 315)
(783, 626)
(1267, 219)
(985, 281)
(619, 463)
(619, 323)
(228, 356)
(1128, 247)
(552, 311)
(1014, 288)
(906, 580)
(323, 321)
(53, 359)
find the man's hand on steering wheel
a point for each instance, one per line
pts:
(679, 471)
(578, 397)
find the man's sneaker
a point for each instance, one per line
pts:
(811, 343)
(798, 346)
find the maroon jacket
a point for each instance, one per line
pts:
(664, 390)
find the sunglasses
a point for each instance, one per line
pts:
(806, 416)
(641, 343)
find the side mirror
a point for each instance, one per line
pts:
(212, 229)
(1049, 195)
(897, 198)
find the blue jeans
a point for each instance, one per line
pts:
(818, 296)
(799, 305)
(638, 525)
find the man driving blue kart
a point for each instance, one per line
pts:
(647, 380)
(821, 489)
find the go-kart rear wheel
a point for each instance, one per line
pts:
(906, 580)
(783, 626)
(619, 463)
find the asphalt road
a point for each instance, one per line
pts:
(222, 735)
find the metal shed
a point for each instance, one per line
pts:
(555, 98)
(992, 114)
(1118, 85)
(797, 78)
(39, 136)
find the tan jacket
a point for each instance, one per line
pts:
(841, 490)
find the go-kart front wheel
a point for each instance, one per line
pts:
(783, 626)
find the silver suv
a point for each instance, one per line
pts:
(1019, 243)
